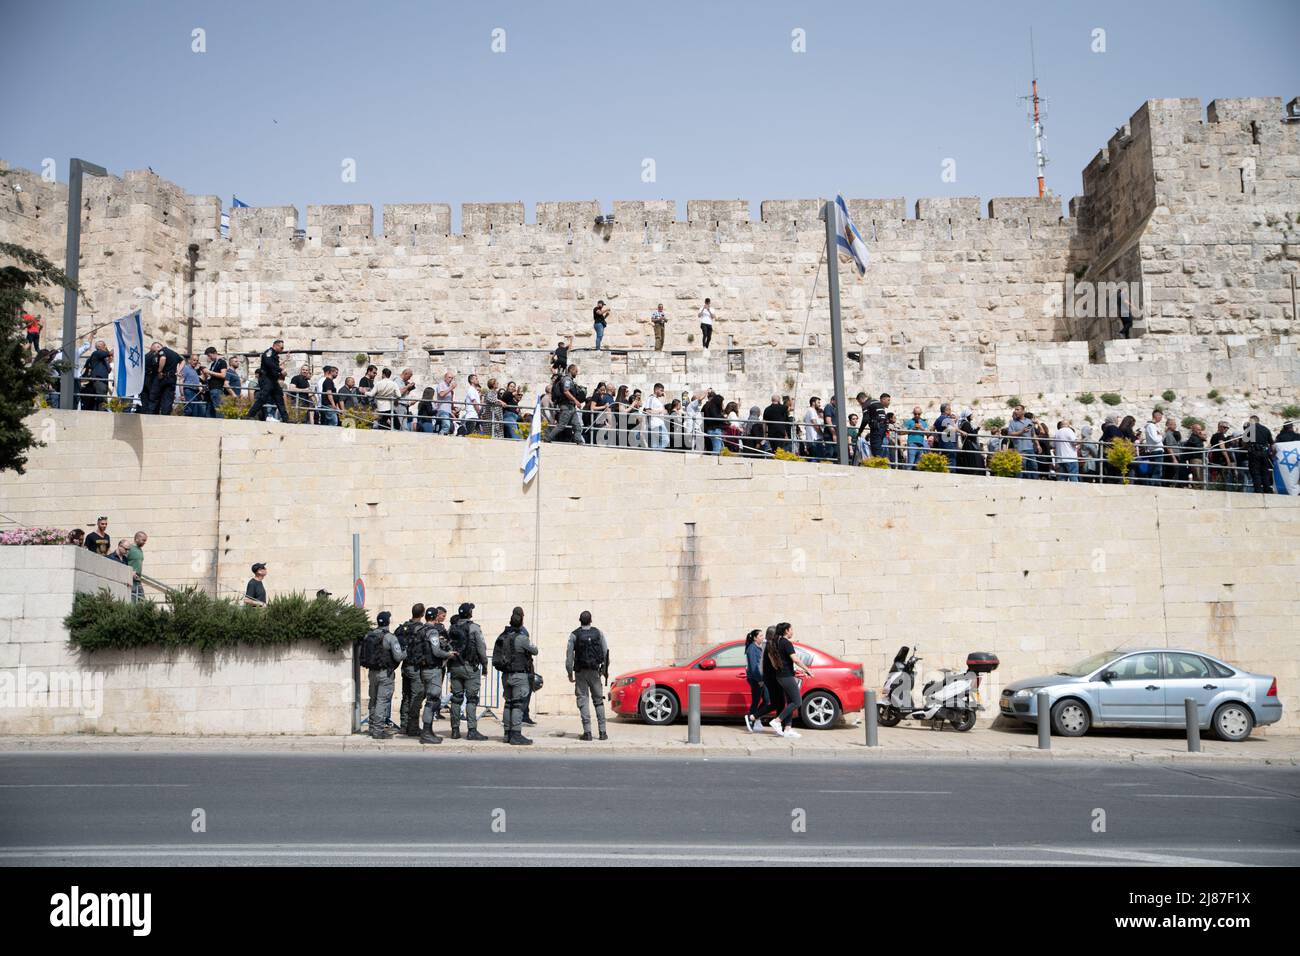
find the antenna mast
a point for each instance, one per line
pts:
(1039, 155)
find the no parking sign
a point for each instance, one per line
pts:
(359, 593)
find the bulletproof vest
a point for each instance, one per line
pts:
(375, 654)
(418, 652)
(507, 655)
(587, 654)
(405, 634)
(463, 643)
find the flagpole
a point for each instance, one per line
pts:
(837, 333)
(537, 538)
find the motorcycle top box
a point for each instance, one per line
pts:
(982, 662)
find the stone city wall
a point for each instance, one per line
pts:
(672, 553)
(1202, 212)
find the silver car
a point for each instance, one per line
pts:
(1147, 688)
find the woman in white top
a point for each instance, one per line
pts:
(706, 323)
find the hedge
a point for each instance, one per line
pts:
(195, 619)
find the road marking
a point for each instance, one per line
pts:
(945, 793)
(1199, 796)
(57, 786)
(486, 787)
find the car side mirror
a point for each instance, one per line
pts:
(708, 664)
(1108, 676)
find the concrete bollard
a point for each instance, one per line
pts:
(870, 714)
(693, 714)
(1193, 725)
(1044, 720)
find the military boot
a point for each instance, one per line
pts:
(519, 740)
(455, 731)
(429, 737)
(475, 735)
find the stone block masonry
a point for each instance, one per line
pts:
(672, 554)
(1200, 209)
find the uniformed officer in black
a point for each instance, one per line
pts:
(466, 669)
(163, 393)
(406, 634)
(434, 657)
(270, 391)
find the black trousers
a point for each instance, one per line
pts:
(268, 395)
(706, 332)
(162, 395)
(1261, 472)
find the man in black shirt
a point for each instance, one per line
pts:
(214, 377)
(329, 402)
(255, 592)
(150, 376)
(98, 540)
(599, 319)
(877, 420)
(1259, 454)
(96, 372)
(776, 424)
(270, 390)
(163, 393)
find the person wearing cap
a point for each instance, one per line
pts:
(385, 654)
(322, 593)
(466, 669)
(428, 647)
(586, 659)
(255, 592)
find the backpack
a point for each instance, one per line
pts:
(419, 652)
(462, 642)
(557, 390)
(370, 648)
(503, 650)
(586, 649)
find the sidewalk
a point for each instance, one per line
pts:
(726, 739)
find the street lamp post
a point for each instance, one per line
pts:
(71, 267)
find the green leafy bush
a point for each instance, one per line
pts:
(1212, 393)
(361, 358)
(234, 406)
(995, 424)
(1013, 401)
(1120, 456)
(1087, 398)
(1291, 411)
(1168, 395)
(1006, 463)
(195, 619)
(932, 461)
(1110, 398)
(875, 462)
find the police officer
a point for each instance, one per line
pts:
(586, 659)
(269, 389)
(566, 402)
(427, 698)
(380, 655)
(519, 651)
(467, 668)
(163, 392)
(406, 634)
(1259, 454)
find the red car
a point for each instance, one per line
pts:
(659, 695)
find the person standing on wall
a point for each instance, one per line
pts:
(270, 391)
(706, 323)
(599, 319)
(586, 659)
(659, 321)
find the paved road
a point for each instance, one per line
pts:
(124, 809)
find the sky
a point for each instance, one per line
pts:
(714, 93)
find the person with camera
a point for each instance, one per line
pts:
(513, 655)
(466, 670)
(567, 396)
(599, 319)
(587, 659)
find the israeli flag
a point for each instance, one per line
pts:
(130, 355)
(848, 239)
(236, 204)
(1286, 468)
(533, 447)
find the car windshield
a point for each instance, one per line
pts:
(1088, 664)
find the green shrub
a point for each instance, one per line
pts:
(1013, 401)
(1120, 455)
(875, 462)
(1291, 411)
(358, 416)
(362, 358)
(1219, 400)
(235, 406)
(195, 619)
(1006, 463)
(1087, 398)
(995, 424)
(932, 461)
(1168, 395)
(1212, 393)
(1110, 398)
(1190, 420)
(782, 455)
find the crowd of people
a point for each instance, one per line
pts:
(702, 420)
(129, 552)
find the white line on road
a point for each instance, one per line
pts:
(945, 793)
(1199, 796)
(503, 787)
(58, 786)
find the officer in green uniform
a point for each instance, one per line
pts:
(406, 634)
(516, 666)
(380, 655)
(586, 659)
(434, 657)
(466, 670)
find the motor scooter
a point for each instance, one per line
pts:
(952, 697)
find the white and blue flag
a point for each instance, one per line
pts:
(848, 239)
(130, 355)
(1286, 468)
(225, 217)
(533, 447)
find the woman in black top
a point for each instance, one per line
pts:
(715, 420)
(424, 414)
(780, 665)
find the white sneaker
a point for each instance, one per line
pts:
(749, 723)
(775, 724)
(791, 732)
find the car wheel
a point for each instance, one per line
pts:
(819, 711)
(1233, 722)
(964, 720)
(659, 706)
(1070, 718)
(888, 716)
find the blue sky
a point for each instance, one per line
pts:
(584, 92)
